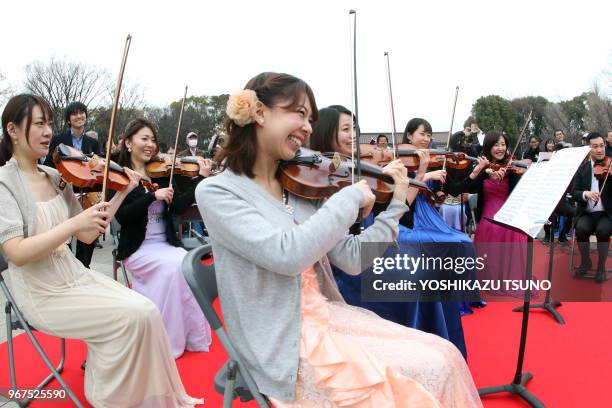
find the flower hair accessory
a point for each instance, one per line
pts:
(242, 107)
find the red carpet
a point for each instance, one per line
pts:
(571, 363)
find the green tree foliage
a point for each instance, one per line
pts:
(495, 113)
(522, 107)
(202, 115)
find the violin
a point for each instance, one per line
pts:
(602, 168)
(184, 166)
(518, 167)
(88, 172)
(407, 153)
(313, 175)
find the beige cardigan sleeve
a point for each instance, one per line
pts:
(12, 223)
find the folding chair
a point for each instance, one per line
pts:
(190, 237)
(115, 230)
(472, 204)
(233, 379)
(18, 322)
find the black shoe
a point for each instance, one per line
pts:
(601, 275)
(562, 238)
(583, 269)
(546, 240)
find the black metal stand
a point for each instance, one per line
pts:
(518, 384)
(548, 305)
(462, 214)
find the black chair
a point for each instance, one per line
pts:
(573, 266)
(115, 230)
(16, 321)
(233, 379)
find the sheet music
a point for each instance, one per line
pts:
(537, 193)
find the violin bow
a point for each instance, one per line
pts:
(178, 132)
(111, 130)
(355, 108)
(391, 108)
(603, 185)
(450, 129)
(518, 140)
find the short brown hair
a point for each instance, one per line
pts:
(240, 148)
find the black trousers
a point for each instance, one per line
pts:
(600, 224)
(84, 252)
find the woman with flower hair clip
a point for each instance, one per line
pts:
(304, 346)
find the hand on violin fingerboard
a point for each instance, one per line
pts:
(205, 166)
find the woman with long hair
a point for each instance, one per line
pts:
(149, 246)
(129, 360)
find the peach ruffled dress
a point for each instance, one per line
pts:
(350, 357)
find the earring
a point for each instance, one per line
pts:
(130, 149)
(15, 142)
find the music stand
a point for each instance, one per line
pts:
(548, 305)
(517, 386)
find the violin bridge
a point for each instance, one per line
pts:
(93, 162)
(336, 162)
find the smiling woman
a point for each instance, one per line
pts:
(304, 346)
(129, 361)
(149, 246)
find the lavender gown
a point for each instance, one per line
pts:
(156, 271)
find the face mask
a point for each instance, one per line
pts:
(192, 142)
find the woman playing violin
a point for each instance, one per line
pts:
(149, 246)
(273, 251)
(129, 360)
(425, 225)
(493, 188)
(426, 316)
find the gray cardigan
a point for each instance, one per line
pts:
(18, 202)
(260, 251)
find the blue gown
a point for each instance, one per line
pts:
(440, 318)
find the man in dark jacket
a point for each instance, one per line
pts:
(192, 147)
(594, 214)
(76, 118)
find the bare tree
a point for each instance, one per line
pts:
(5, 89)
(599, 111)
(61, 82)
(556, 118)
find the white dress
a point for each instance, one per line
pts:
(129, 360)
